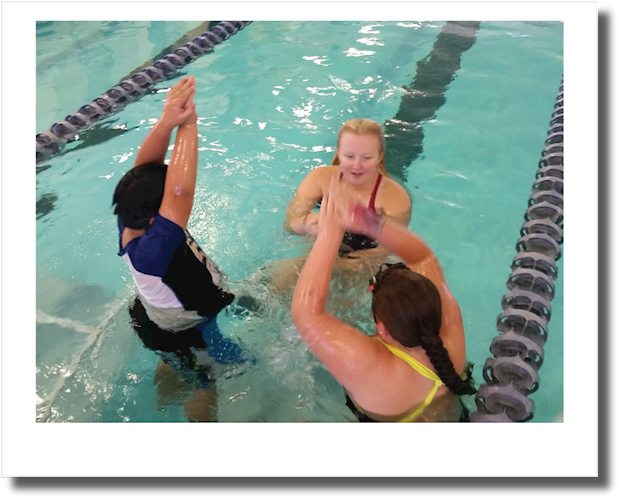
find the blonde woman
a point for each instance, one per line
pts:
(359, 164)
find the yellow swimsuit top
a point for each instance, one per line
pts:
(425, 372)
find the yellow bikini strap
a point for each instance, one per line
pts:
(424, 371)
(413, 416)
(414, 363)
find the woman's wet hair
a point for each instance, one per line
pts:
(362, 126)
(410, 307)
(139, 194)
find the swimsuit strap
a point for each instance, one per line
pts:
(374, 192)
(414, 363)
(425, 372)
(375, 189)
(414, 415)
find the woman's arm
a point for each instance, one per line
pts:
(311, 292)
(396, 204)
(300, 219)
(345, 351)
(388, 232)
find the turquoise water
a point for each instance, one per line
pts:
(270, 102)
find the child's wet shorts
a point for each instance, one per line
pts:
(191, 351)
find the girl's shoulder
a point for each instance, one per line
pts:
(326, 171)
(391, 191)
(321, 175)
(316, 182)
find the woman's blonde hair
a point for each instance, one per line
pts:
(362, 126)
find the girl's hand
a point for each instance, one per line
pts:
(331, 214)
(351, 215)
(366, 221)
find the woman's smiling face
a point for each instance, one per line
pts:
(359, 155)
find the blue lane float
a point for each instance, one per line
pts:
(511, 375)
(51, 142)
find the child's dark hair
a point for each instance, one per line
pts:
(410, 307)
(139, 194)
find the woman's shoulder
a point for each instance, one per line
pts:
(316, 182)
(320, 176)
(393, 197)
(392, 187)
(326, 171)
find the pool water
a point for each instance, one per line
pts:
(270, 101)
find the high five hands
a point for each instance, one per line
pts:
(341, 212)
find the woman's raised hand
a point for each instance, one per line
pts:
(339, 209)
(346, 212)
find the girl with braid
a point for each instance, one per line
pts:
(414, 368)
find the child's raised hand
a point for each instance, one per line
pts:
(178, 107)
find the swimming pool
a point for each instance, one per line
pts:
(470, 173)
